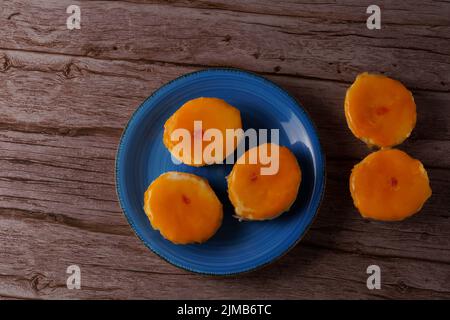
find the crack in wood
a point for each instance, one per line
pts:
(121, 230)
(30, 127)
(13, 15)
(369, 254)
(287, 14)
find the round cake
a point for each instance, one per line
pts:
(183, 207)
(257, 196)
(389, 185)
(196, 117)
(380, 111)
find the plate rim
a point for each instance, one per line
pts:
(299, 108)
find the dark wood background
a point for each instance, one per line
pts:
(65, 97)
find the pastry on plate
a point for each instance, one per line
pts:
(183, 207)
(257, 196)
(195, 117)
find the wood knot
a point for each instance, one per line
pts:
(5, 62)
(63, 131)
(39, 282)
(55, 217)
(91, 51)
(402, 286)
(71, 70)
(70, 132)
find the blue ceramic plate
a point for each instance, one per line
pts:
(237, 246)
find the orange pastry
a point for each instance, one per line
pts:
(213, 113)
(380, 111)
(389, 185)
(260, 197)
(183, 207)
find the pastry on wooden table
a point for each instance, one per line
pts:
(379, 110)
(389, 185)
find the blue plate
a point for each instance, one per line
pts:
(237, 246)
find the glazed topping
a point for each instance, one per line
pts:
(213, 113)
(379, 110)
(256, 196)
(183, 207)
(389, 185)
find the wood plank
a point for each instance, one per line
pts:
(55, 82)
(302, 42)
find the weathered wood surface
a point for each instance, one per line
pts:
(65, 97)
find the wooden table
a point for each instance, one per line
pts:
(66, 95)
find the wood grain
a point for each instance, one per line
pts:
(66, 95)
